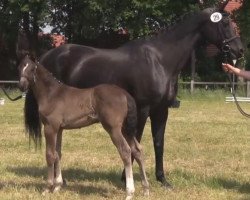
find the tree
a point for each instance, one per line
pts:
(242, 16)
(82, 20)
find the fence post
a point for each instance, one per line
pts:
(192, 86)
(193, 60)
(248, 88)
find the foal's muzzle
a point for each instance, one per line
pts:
(23, 84)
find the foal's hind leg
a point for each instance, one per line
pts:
(138, 156)
(142, 115)
(125, 153)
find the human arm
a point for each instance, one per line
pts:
(239, 72)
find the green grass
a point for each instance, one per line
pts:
(207, 156)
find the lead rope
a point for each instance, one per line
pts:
(235, 99)
(232, 90)
(11, 99)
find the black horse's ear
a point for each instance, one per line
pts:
(201, 4)
(222, 4)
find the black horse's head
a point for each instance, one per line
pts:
(217, 28)
(26, 70)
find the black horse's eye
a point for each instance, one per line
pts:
(225, 20)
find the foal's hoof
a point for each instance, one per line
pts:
(46, 191)
(57, 189)
(146, 192)
(129, 197)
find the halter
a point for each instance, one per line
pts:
(225, 48)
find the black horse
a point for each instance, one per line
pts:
(147, 68)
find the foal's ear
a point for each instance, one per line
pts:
(32, 56)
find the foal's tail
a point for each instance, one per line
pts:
(32, 119)
(130, 124)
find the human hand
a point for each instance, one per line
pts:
(227, 67)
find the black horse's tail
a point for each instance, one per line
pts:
(32, 119)
(130, 124)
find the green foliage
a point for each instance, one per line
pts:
(242, 16)
(87, 19)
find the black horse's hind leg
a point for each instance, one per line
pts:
(142, 115)
(158, 118)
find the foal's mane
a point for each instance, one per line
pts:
(49, 76)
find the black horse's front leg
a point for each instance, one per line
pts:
(158, 118)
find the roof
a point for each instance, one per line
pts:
(58, 39)
(233, 5)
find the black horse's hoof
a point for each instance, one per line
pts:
(167, 185)
(164, 183)
(123, 177)
(64, 182)
(175, 104)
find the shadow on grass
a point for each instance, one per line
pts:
(70, 175)
(235, 185)
(84, 190)
(212, 182)
(13, 184)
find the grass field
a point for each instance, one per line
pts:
(207, 156)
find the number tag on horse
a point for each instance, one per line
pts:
(216, 17)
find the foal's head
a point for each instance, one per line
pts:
(27, 70)
(219, 30)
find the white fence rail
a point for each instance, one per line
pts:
(191, 83)
(206, 84)
(9, 82)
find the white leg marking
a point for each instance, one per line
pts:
(130, 187)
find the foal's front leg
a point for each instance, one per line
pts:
(58, 182)
(51, 156)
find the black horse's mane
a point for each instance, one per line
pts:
(168, 27)
(171, 26)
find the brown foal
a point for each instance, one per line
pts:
(63, 107)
